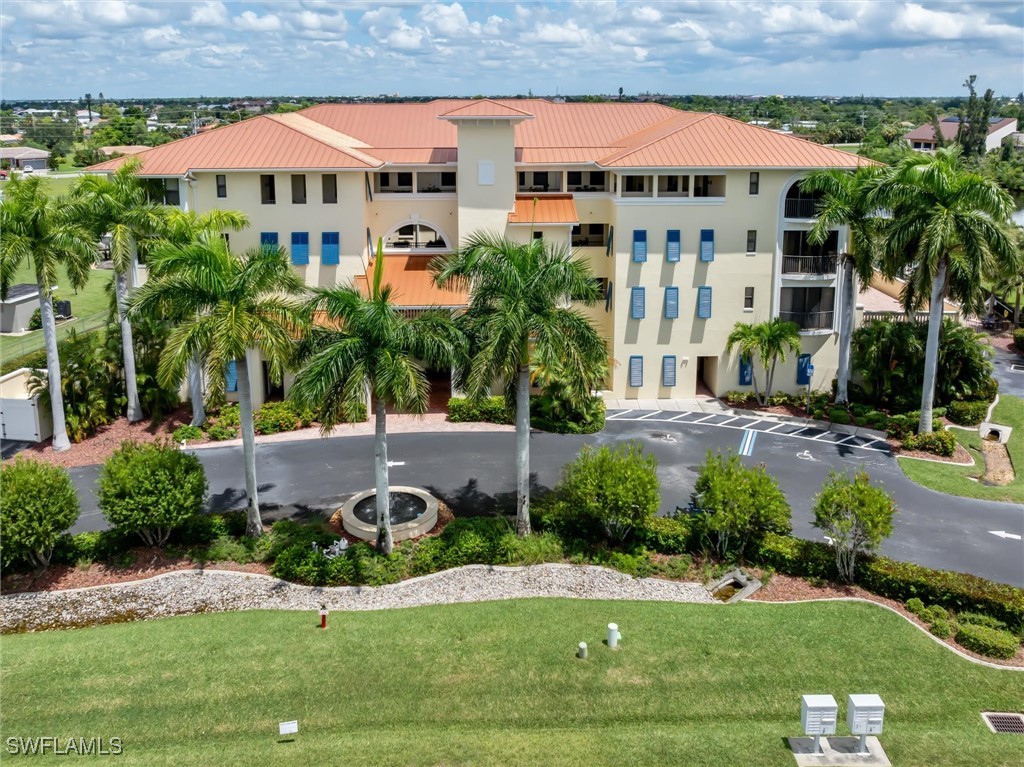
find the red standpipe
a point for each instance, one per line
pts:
(323, 618)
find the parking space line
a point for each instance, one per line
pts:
(702, 420)
(677, 417)
(648, 415)
(620, 414)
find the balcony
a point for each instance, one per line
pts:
(809, 320)
(801, 207)
(815, 265)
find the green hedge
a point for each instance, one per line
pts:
(994, 643)
(1018, 338)
(938, 442)
(666, 535)
(967, 413)
(896, 580)
(496, 410)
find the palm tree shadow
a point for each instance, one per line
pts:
(233, 498)
(469, 501)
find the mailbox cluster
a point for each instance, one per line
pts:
(864, 714)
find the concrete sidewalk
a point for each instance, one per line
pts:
(399, 423)
(695, 405)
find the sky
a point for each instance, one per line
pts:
(128, 49)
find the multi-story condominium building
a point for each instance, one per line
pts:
(690, 221)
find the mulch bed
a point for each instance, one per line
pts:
(786, 588)
(100, 446)
(792, 410)
(146, 563)
(961, 457)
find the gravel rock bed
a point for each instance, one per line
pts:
(188, 592)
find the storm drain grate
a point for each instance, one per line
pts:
(1017, 368)
(1005, 723)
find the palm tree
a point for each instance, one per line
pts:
(767, 341)
(845, 203)
(119, 206)
(519, 313)
(183, 227)
(1011, 284)
(369, 345)
(948, 228)
(47, 233)
(227, 304)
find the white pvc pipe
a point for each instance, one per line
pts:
(583, 650)
(613, 636)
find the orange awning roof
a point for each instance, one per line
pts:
(412, 284)
(549, 209)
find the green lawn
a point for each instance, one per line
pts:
(497, 684)
(954, 479)
(91, 300)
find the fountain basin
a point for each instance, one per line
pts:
(413, 513)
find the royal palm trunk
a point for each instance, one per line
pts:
(931, 354)
(253, 523)
(523, 451)
(380, 465)
(195, 389)
(131, 385)
(845, 334)
(53, 380)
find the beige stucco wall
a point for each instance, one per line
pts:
(485, 206)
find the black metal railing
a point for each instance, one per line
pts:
(809, 320)
(809, 264)
(801, 208)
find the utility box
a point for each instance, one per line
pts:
(818, 714)
(864, 714)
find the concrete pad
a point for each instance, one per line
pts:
(838, 752)
(647, 404)
(864, 431)
(670, 405)
(844, 428)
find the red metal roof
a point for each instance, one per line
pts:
(549, 209)
(364, 136)
(412, 283)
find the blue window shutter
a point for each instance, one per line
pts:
(639, 245)
(707, 244)
(609, 246)
(746, 372)
(704, 302)
(330, 248)
(636, 371)
(671, 303)
(803, 375)
(608, 297)
(268, 238)
(231, 377)
(300, 248)
(637, 303)
(668, 370)
(672, 247)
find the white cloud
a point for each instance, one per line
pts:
(251, 22)
(645, 14)
(448, 20)
(162, 37)
(213, 14)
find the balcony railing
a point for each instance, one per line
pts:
(809, 264)
(809, 320)
(801, 208)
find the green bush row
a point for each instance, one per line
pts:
(544, 414)
(984, 640)
(938, 442)
(969, 413)
(1018, 338)
(896, 580)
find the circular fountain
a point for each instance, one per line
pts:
(413, 513)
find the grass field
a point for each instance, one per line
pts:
(498, 684)
(89, 301)
(955, 479)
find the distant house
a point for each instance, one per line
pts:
(20, 156)
(122, 150)
(11, 138)
(923, 137)
(86, 117)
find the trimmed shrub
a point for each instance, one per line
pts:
(954, 591)
(938, 442)
(934, 613)
(614, 490)
(489, 409)
(187, 433)
(37, 504)
(548, 414)
(665, 535)
(1018, 339)
(795, 556)
(275, 417)
(35, 322)
(978, 619)
(530, 550)
(967, 413)
(993, 643)
(839, 416)
(916, 606)
(941, 628)
(738, 505)
(856, 515)
(150, 489)
(219, 433)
